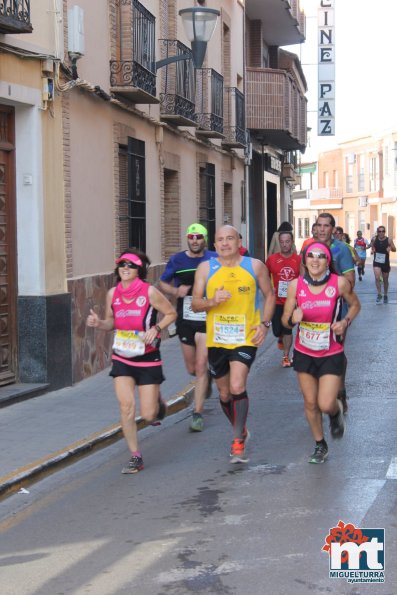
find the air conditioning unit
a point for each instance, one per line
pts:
(363, 201)
(76, 31)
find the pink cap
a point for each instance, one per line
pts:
(131, 257)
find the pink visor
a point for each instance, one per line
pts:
(322, 247)
(131, 257)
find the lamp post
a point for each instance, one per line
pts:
(199, 24)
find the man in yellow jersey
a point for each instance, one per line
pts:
(227, 288)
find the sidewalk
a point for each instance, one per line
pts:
(40, 433)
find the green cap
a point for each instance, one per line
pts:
(197, 228)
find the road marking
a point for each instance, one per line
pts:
(392, 470)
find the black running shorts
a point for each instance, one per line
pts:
(277, 327)
(187, 330)
(319, 366)
(219, 358)
(141, 374)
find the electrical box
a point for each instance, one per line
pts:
(76, 31)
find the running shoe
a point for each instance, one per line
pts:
(363, 273)
(337, 423)
(319, 455)
(360, 278)
(134, 465)
(379, 299)
(342, 396)
(285, 362)
(197, 423)
(280, 344)
(237, 451)
(385, 299)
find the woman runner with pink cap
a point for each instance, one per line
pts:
(314, 302)
(131, 309)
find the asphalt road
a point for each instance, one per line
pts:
(193, 523)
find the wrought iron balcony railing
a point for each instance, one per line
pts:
(15, 16)
(209, 103)
(133, 72)
(177, 85)
(234, 124)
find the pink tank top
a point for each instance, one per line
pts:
(314, 336)
(138, 315)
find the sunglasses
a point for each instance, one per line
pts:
(127, 263)
(320, 255)
(381, 231)
(195, 236)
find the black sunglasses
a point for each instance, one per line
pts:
(381, 231)
(127, 263)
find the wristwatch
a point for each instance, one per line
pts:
(266, 323)
(158, 328)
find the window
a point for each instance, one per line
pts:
(349, 174)
(373, 174)
(303, 227)
(132, 196)
(361, 221)
(325, 179)
(361, 173)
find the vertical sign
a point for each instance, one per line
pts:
(326, 68)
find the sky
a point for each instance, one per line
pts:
(366, 69)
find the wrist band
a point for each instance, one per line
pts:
(348, 321)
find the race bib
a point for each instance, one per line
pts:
(315, 335)
(283, 288)
(188, 313)
(380, 258)
(229, 329)
(128, 343)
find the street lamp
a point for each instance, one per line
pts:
(199, 24)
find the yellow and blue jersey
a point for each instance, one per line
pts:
(229, 324)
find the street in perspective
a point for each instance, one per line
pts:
(191, 522)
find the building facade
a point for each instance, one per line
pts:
(104, 147)
(357, 183)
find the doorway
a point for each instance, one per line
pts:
(8, 278)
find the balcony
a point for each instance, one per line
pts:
(326, 198)
(289, 172)
(209, 103)
(133, 69)
(234, 124)
(177, 86)
(15, 16)
(276, 108)
(283, 21)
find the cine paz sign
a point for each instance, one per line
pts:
(326, 68)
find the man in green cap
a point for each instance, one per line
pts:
(177, 280)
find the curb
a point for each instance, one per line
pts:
(24, 475)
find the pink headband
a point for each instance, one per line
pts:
(322, 247)
(132, 257)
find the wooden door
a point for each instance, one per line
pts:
(8, 278)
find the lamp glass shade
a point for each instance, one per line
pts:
(199, 23)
